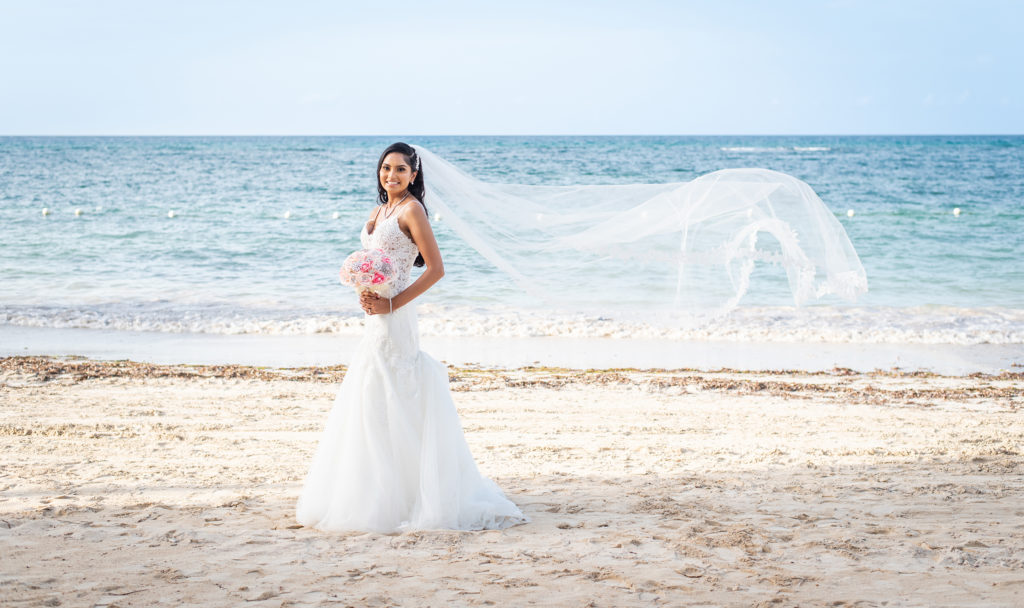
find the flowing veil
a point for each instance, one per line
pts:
(684, 247)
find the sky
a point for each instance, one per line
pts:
(514, 67)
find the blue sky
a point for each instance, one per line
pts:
(511, 67)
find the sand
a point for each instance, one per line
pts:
(137, 485)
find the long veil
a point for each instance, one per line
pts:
(685, 247)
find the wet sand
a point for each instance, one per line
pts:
(277, 350)
(127, 484)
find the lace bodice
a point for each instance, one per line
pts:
(388, 236)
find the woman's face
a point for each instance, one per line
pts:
(395, 174)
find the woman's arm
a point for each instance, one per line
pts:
(416, 220)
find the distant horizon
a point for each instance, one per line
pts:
(11, 135)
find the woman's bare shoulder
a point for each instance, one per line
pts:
(415, 206)
(415, 212)
(412, 213)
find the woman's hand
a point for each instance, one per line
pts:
(373, 304)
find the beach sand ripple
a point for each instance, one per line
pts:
(128, 484)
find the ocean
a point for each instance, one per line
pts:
(244, 235)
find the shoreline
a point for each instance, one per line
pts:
(81, 368)
(506, 352)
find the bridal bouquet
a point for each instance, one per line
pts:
(367, 270)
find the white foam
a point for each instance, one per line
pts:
(871, 325)
(750, 149)
(774, 148)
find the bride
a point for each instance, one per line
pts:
(392, 456)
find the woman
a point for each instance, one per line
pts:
(393, 456)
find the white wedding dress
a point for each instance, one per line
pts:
(392, 456)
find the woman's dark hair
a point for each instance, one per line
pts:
(416, 188)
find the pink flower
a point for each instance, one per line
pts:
(367, 267)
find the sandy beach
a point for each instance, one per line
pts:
(132, 484)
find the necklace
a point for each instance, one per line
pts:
(386, 214)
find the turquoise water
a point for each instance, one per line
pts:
(229, 261)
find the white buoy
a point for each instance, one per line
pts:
(437, 217)
(46, 211)
(956, 210)
(849, 213)
(170, 214)
(99, 208)
(287, 214)
(78, 212)
(335, 215)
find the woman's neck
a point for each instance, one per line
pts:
(398, 200)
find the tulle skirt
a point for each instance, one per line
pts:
(392, 456)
